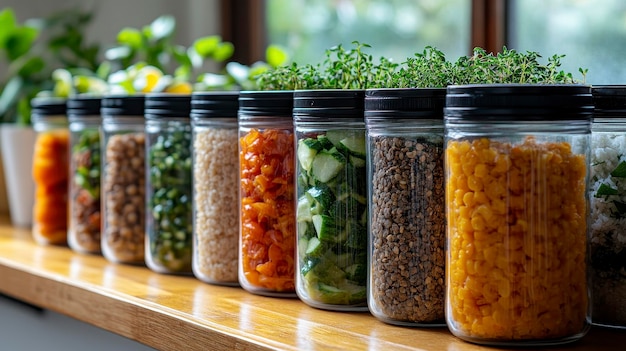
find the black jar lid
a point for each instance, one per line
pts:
(48, 106)
(405, 103)
(84, 107)
(518, 102)
(609, 100)
(271, 103)
(214, 104)
(328, 103)
(123, 105)
(164, 105)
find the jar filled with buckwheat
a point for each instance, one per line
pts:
(84, 181)
(406, 205)
(123, 182)
(215, 186)
(516, 185)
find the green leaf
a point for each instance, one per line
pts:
(223, 51)
(20, 41)
(205, 46)
(7, 24)
(131, 37)
(31, 66)
(620, 170)
(10, 94)
(180, 55)
(276, 56)
(606, 190)
(163, 27)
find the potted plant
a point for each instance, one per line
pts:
(30, 58)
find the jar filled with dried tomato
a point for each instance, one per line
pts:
(407, 228)
(85, 161)
(50, 170)
(516, 185)
(267, 243)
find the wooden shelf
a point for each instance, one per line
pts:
(182, 313)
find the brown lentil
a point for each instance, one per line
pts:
(124, 202)
(407, 229)
(216, 216)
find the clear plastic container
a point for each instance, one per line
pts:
(267, 225)
(607, 195)
(50, 170)
(169, 225)
(216, 190)
(332, 199)
(84, 180)
(407, 228)
(516, 173)
(123, 179)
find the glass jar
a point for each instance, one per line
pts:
(332, 218)
(169, 226)
(516, 175)
(50, 170)
(123, 178)
(267, 193)
(407, 228)
(84, 201)
(607, 196)
(215, 189)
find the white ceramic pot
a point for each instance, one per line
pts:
(17, 145)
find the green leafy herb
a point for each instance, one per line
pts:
(606, 190)
(620, 170)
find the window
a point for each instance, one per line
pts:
(395, 29)
(591, 34)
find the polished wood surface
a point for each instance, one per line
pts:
(182, 313)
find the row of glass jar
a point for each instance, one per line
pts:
(347, 199)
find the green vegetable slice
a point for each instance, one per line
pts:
(327, 165)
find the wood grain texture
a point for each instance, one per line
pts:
(182, 313)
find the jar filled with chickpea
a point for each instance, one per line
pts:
(516, 170)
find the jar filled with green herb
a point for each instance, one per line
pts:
(331, 213)
(407, 228)
(607, 196)
(215, 188)
(169, 221)
(123, 178)
(84, 197)
(267, 242)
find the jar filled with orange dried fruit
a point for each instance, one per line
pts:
(267, 219)
(516, 166)
(50, 170)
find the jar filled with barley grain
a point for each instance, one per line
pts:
(123, 178)
(84, 180)
(607, 195)
(267, 242)
(516, 185)
(169, 226)
(406, 205)
(331, 215)
(215, 186)
(50, 170)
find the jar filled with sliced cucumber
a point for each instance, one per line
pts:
(332, 199)
(169, 224)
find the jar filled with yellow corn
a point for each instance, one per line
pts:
(516, 166)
